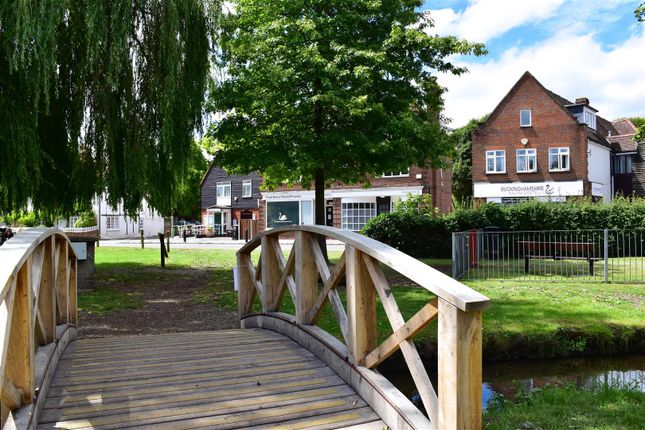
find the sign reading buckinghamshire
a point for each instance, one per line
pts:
(528, 189)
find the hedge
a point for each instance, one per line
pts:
(422, 235)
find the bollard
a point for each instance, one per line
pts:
(168, 243)
(141, 234)
(162, 250)
(183, 234)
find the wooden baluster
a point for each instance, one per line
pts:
(61, 281)
(46, 296)
(306, 277)
(361, 307)
(72, 293)
(246, 289)
(19, 365)
(460, 368)
(271, 274)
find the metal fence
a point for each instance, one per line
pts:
(585, 255)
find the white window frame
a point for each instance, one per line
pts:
(494, 154)
(223, 186)
(529, 153)
(530, 118)
(401, 174)
(248, 184)
(114, 220)
(560, 152)
(354, 215)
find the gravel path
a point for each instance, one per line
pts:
(167, 308)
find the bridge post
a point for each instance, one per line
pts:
(460, 368)
(306, 276)
(361, 307)
(270, 274)
(246, 290)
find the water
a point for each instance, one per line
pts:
(507, 377)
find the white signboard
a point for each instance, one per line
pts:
(597, 189)
(81, 250)
(528, 189)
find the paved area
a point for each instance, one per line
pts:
(201, 243)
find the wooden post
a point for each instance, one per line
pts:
(141, 234)
(61, 281)
(306, 277)
(162, 249)
(460, 368)
(168, 243)
(47, 294)
(245, 286)
(361, 307)
(270, 275)
(19, 368)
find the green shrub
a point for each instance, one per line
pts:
(86, 219)
(424, 235)
(22, 219)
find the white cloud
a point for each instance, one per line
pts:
(483, 20)
(571, 65)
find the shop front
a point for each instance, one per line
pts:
(516, 192)
(218, 221)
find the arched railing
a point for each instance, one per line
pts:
(457, 307)
(37, 319)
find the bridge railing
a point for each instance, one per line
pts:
(37, 319)
(457, 307)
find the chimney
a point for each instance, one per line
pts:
(582, 101)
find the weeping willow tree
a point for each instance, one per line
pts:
(99, 96)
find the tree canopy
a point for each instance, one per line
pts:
(99, 95)
(462, 165)
(327, 90)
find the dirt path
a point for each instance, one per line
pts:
(165, 304)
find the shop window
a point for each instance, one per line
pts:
(559, 159)
(495, 162)
(354, 216)
(247, 188)
(526, 160)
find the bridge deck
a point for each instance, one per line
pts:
(224, 379)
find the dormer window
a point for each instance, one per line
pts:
(525, 118)
(589, 118)
(584, 114)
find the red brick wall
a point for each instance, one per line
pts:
(551, 126)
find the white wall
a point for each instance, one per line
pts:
(152, 222)
(599, 168)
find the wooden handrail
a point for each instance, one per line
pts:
(38, 316)
(457, 308)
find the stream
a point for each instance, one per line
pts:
(506, 377)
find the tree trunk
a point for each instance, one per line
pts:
(319, 202)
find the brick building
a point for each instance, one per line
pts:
(537, 144)
(350, 206)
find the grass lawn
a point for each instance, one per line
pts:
(567, 407)
(527, 319)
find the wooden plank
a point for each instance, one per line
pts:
(319, 258)
(61, 281)
(271, 275)
(331, 282)
(286, 280)
(306, 277)
(72, 292)
(10, 396)
(37, 259)
(460, 367)
(256, 416)
(425, 316)
(246, 293)
(354, 419)
(226, 387)
(193, 402)
(361, 307)
(19, 365)
(46, 294)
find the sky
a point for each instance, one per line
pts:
(575, 48)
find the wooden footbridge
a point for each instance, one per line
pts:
(279, 371)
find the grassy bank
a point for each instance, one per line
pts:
(527, 320)
(568, 407)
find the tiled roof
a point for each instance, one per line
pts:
(624, 126)
(623, 143)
